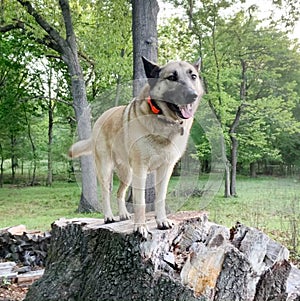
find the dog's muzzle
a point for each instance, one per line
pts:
(182, 111)
(182, 103)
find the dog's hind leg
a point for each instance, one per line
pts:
(125, 175)
(105, 172)
(125, 180)
(121, 194)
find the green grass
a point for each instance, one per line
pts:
(268, 203)
(37, 207)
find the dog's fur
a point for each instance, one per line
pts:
(145, 136)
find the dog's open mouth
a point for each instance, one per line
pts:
(182, 111)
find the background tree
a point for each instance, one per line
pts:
(242, 65)
(13, 77)
(144, 32)
(250, 73)
(67, 48)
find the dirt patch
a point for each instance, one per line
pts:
(12, 292)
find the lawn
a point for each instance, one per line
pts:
(268, 203)
(37, 207)
(271, 204)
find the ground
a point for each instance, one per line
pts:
(12, 292)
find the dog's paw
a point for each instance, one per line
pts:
(164, 224)
(109, 219)
(142, 229)
(125, 216)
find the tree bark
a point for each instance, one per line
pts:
(195, 260)
(227, 182)
(234, 157)
(67, 48)
(144, 33)
(89, 200)
(34, 154)
(253, 170)
(234, 126)
(50, 107)
(1, 166)
(50, 139)
(14, 162)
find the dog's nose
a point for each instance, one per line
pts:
(191, 95)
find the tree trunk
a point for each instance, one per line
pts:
(67, 48)
(195, 260)
(144, 33)
(227, 192)
(13, 157)
(233, 129)
(1, 166)
(50, 138)
(234, 156)
(253, 170)
(51, 108)
(34, 154)
(89, 200)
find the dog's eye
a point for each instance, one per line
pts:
(194, 76)
(173, 77)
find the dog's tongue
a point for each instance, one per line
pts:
(186, 111)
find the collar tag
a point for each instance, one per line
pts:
(153, 107)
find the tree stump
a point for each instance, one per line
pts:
(195, 260)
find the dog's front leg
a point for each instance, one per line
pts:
(163, 176)
(138, 191)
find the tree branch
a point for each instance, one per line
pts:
(10, 27)
(52, 32)
(65, 9)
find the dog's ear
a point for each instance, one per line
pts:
(197, 64)
(151, 69)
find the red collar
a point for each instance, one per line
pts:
(153, 106)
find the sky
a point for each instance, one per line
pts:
(264, 10)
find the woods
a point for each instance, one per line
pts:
(250, 71)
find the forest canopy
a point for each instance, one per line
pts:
(250, 69)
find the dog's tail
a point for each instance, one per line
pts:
(82, 147)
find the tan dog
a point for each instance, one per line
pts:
(149, 134)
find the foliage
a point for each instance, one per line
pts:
(227, 43)
(35, 81)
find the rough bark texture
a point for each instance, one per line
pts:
(196, 260)
(144, 35)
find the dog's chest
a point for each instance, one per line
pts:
(154, 138)
(156, 149)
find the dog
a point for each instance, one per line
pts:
(149, 134)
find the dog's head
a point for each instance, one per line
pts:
(175, 88)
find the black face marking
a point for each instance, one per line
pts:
(173, 77)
